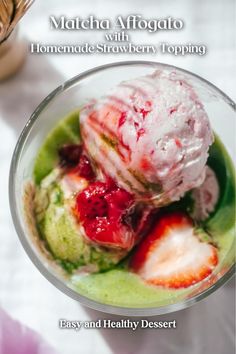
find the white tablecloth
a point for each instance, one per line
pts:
(207, 327)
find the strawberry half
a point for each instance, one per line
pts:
(172, 254)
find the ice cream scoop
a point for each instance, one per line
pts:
(151, 135)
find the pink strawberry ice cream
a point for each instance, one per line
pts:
(151, 135)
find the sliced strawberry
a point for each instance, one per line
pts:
(172, 255)
(100, 208)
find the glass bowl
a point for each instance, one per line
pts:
(68, 97)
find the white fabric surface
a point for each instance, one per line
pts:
(207, 327)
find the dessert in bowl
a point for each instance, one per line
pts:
(122, 191)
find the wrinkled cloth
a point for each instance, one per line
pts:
(15, 338)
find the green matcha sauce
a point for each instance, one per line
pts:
(118, 286)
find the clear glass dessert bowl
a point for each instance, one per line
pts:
(71, 96)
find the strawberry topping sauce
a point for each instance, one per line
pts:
(100, 208)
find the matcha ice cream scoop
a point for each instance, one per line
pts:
(62, 231)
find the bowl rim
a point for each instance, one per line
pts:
(59, 284)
